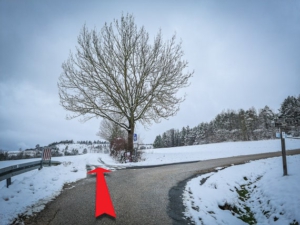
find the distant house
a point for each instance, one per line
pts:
(12, 154)
(30, 153)
(144, 146)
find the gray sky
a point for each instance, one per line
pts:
(244, 54)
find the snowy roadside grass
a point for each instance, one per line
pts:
(253, 193)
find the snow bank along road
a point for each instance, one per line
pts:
(140, 196)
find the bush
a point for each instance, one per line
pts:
(117, 148)
(3, 155)
(118, 152)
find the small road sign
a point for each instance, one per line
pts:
(277, 135)
(135, 137)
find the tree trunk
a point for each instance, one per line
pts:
(130, 138)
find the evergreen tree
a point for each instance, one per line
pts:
(157, 142)
(186, 137)
(177, 138)
(265, 119)
(164, 140)
(242, 125)
(290, 110)
(182, 136)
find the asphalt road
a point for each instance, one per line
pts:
(140, 196)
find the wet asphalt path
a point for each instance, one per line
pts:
(140, 196)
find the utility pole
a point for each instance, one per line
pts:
(280, 123)
(282, 137)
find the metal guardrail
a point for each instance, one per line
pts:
(10, 171)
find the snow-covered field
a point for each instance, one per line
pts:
(210, 151)
(32, 190)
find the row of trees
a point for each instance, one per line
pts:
(94, 142)
(242, 125)
(78, 142)
(61, 142)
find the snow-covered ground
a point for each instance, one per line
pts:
(32, 190)
(256, 191)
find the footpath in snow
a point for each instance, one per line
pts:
(30, 191)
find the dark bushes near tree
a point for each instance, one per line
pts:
(118, 151)
(117, 147)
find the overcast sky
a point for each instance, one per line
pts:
(243, 53)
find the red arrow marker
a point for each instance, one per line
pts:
(103, 200)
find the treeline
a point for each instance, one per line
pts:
(242, 125)
(78, 142)
(95, 142)
(62, 142)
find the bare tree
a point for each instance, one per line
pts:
(118, 72)
(110, 130)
